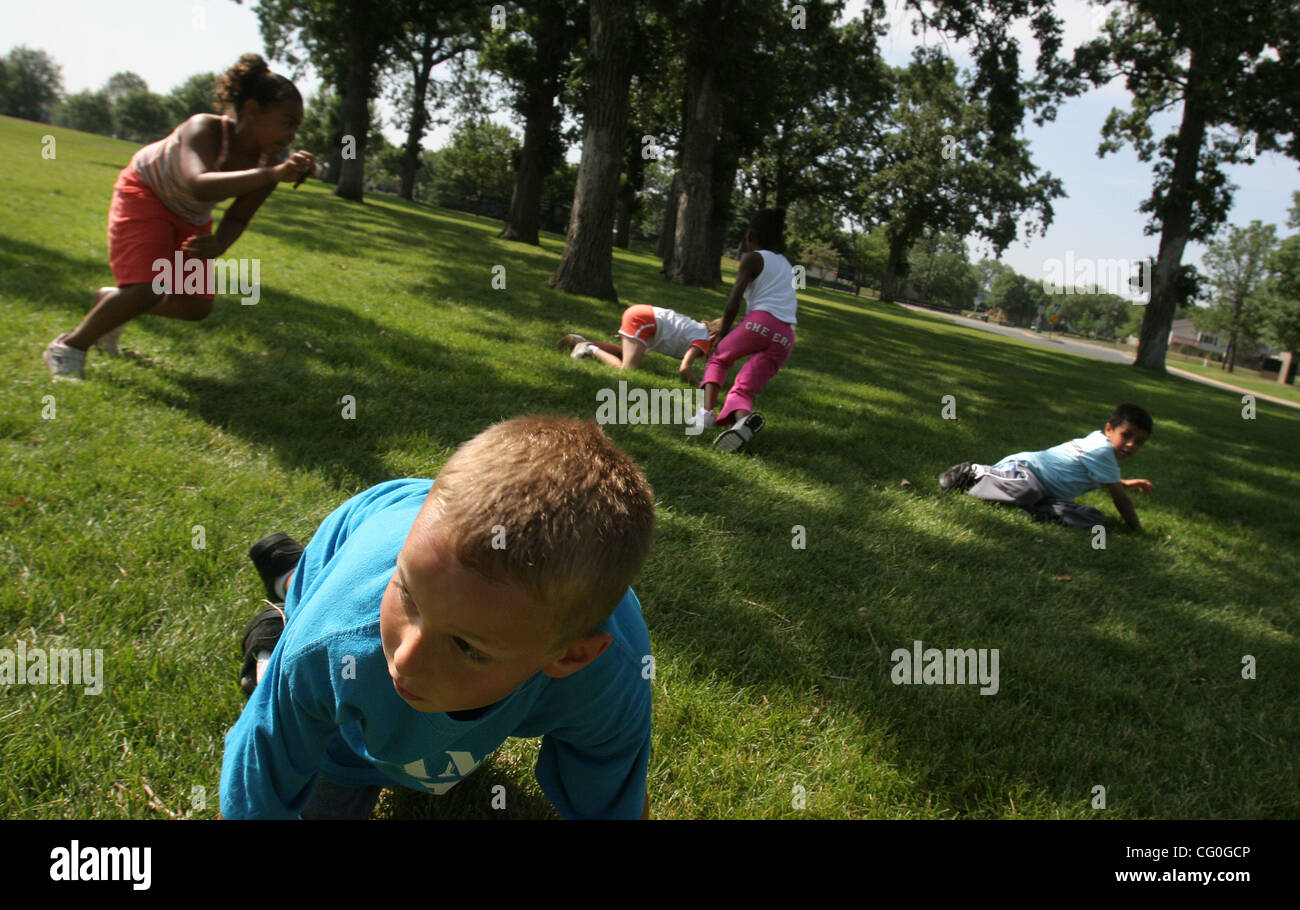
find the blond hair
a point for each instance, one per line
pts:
(552, 505)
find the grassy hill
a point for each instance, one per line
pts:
(1119, 667)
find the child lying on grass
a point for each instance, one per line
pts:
(650, 328)
(1044, 483)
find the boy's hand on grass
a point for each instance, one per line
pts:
(205, 246)
(1142, 485)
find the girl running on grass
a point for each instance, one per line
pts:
(765, 279)
(650, 328)
(163, 201)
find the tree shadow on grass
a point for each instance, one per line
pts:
(1090, 663)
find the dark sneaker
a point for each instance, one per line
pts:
(261, 634)
(274, 555)
(738, 437)
(960, 477)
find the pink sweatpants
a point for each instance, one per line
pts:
(767, 341)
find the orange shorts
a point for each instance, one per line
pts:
(639, 323)
(141, 231)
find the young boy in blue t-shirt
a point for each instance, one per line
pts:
(1044, 483)
(425, 623)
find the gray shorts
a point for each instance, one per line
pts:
(1014, 483)
(337, 802)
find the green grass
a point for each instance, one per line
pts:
(773, 663)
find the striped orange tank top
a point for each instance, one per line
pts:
(159, 167)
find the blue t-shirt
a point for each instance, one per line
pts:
(1075, 467)
(326, 704)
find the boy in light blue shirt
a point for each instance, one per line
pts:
(425, 623)
(1045, 482)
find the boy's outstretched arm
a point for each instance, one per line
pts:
(1125, 505)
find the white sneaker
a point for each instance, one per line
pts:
(701, 420)
(64, 361)
(582, 349)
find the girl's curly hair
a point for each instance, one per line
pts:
(251, 79)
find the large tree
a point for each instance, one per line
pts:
(825, 76)
(193, 96)
(119, 85)
(534, 54)
(31, 84)
(1279, 300)
(437, 31)
(941, 271)
(349, 44)
(741, 64)
(939, 161)
(1237, 267)
(142, 116)
(705, 25)
(586, 266)
(87, 111)
(1233, 65)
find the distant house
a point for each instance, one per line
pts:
(1186, 338)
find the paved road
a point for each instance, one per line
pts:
(1086, 349)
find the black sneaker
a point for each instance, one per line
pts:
(261, 634)
(740, 433)
(274, 555)
(960, 477)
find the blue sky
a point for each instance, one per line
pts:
(166, 41)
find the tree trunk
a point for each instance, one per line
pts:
(929, 273)
(726, 164)
(587, 265)
(889, 284)
(356, 122)
(537, 158)
(665, 249)
(628, 204)
(782, 179)
(419, 119)
(1175, 226)
(690, 261)
(1231, 360)
(522, 222)
(336, 163)
(623, 221)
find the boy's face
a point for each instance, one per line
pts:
(1125, 438)
(455, 641)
